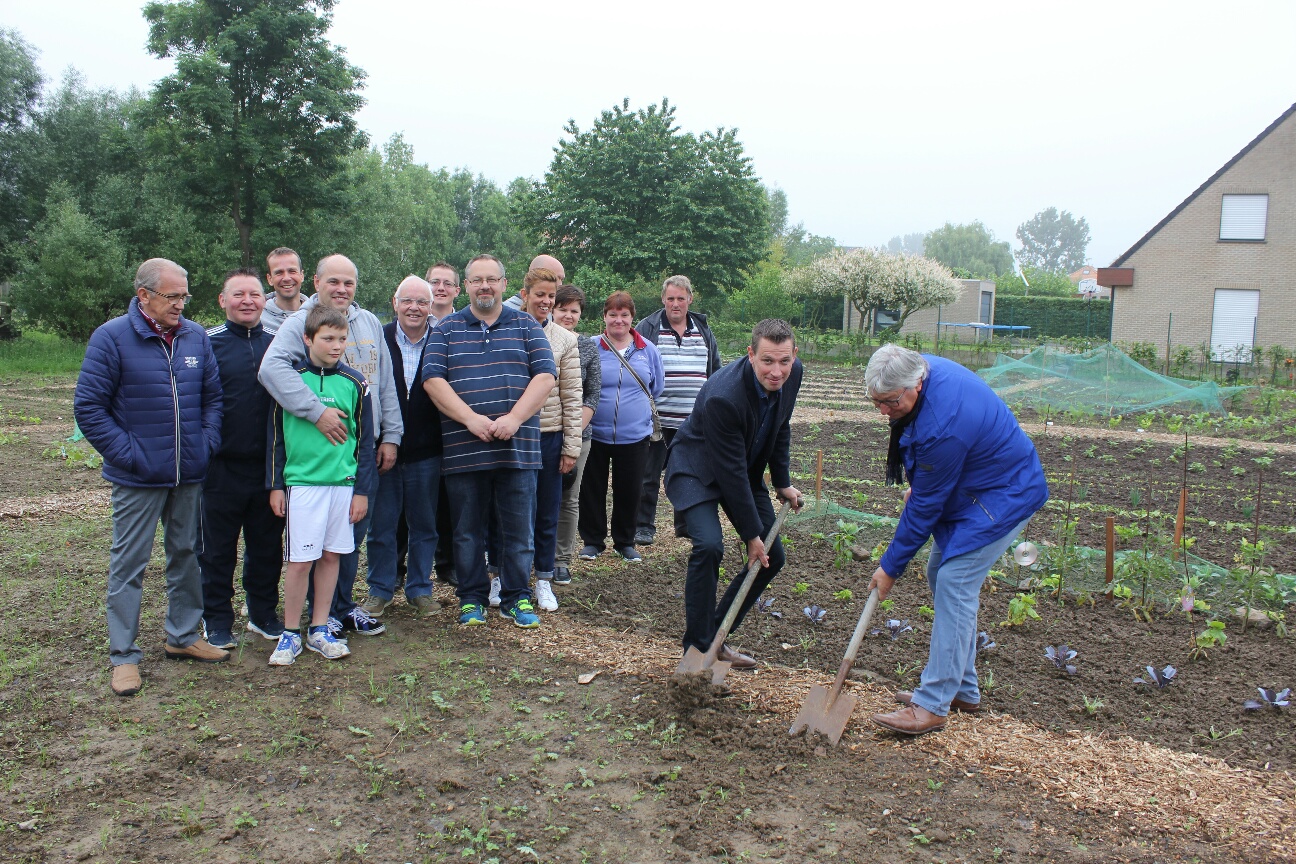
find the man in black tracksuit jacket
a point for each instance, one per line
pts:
(234, 495)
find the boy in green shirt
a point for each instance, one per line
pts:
(322, 488)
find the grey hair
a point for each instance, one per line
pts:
(149, 274)
(678, 282)
(894, 367)
(416, 280)
(485, 257)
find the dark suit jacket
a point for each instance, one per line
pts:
(711, 458)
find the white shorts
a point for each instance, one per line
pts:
(319, 520)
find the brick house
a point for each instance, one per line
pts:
(1220, 269)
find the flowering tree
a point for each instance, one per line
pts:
(871, 279)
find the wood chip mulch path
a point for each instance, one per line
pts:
(89, 502)
(1135, 783)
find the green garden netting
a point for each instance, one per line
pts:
(1084, 568)
(1102, 381)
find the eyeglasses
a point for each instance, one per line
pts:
(446, 282)
(413, 301)
(890, 403)
(478, 281)
(173, 299)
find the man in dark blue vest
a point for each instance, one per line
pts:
(741, 423)
(234, 495)
(409, 491)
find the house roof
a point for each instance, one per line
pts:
(1202, 188)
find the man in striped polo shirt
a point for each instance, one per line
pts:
(689, 356)
(489, 369)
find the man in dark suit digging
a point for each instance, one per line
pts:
(741, 424)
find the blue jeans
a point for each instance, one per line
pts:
(506, 497)
(702, 615)
(548, 498)
(956, 591)
(413, 487)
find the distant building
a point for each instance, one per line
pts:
(976, 306)
(1219, 269)
(1084, 274)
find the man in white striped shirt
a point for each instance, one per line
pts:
(689, 356)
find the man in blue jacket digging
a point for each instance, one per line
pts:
(975, 480)
(149, 401)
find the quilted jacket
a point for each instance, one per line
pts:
(152, 412)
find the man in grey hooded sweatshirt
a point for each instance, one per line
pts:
(284, 275)
(335, 285)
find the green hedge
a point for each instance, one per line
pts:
(1055, 316)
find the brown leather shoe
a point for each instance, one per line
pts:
(910, 720)
(904, 696)
(200, 651)
(126, 679)
(736, 660)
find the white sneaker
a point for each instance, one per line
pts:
(287, 649)
(545, 596)
(326, 644)
(494, 592)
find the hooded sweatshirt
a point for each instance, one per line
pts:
(272, 316)
(366, 352)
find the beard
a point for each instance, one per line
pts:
(484, 302)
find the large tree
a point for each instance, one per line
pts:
(971, 249)
(1054, 242)
(261, 108)
(872, 279)
(635, 196)
(20, 90)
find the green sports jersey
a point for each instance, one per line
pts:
(300, 455)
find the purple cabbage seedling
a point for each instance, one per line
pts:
(984, 642)
(1060, 654)
(1159, 680)
(767, 606)
(894, 628)
(1269, 698)
(816, 614)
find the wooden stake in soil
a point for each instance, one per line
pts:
(818, 478)
(1179, 523)
(1111, 554)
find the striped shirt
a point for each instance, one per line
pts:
(489, 367)
(684, 359)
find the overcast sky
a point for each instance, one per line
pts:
(876, 120)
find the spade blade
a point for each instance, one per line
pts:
(817, 715)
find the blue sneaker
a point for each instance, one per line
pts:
(290, 645)
(360, 621)
(221, 639)
(271, 631)
(472, 614)
(324, 643)
(522, 614)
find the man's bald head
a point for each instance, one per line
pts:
(548, 262)
(335, 281)
(414, 286)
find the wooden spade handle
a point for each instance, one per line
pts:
(851, 650)
(752, 572)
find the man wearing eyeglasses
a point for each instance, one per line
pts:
(975, 480)
(336, 280)
(408, 493)
(148, 399)
(489, 369)
(444, 280)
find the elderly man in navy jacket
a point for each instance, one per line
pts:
(741, 423)
(149, 400)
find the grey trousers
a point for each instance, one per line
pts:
(570, 511)
(136, 513)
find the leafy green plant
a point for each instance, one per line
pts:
(927, 612)
(843, 595)
(842, 541)
(800, 588)
(1208, 640)
(1020, 610)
